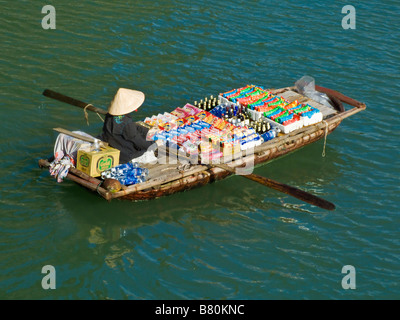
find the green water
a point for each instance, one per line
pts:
(230, 240)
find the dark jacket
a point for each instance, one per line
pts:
(125, 135)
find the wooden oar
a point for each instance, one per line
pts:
(60, 97)
(289, 190)
(278, 186)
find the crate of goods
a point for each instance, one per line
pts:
(250, 96)
(279, 112)
(292, 116)
(199, 132)
(93, 162)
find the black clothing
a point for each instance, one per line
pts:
(125, 135)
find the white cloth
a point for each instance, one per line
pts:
(69, 145)
(146, 158)
(65, 153)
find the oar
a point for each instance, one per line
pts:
(289, 190)
(292, 191)
(281, 187)
(60, 97)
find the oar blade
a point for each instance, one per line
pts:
(292, 191)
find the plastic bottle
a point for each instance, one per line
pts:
(271, 134)
(134, 164)
(140, 171)
(96, 145)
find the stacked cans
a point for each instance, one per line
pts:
(127, 174)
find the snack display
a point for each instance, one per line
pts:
(260, 103)
(236, 120)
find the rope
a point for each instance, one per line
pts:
(87, 116)
(326, 133)
(100, 117)
(98, 186)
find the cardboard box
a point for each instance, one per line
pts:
(94, 163)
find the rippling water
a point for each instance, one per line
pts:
(229, 240)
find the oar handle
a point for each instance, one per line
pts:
(60, 97)
(340, 96)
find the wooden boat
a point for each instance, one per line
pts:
(167, 179)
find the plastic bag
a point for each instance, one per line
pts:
(60, 166)
(306, 86)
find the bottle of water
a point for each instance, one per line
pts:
(134, 164)
(125, 167)
(140, 171)
(143, 176)
(271, 134)
(96, 145)
(127, 173)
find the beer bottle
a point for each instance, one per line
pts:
(234, 120)
(264, 128)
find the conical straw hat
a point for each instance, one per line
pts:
(125, 101)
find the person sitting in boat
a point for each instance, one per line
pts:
(120, 131)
